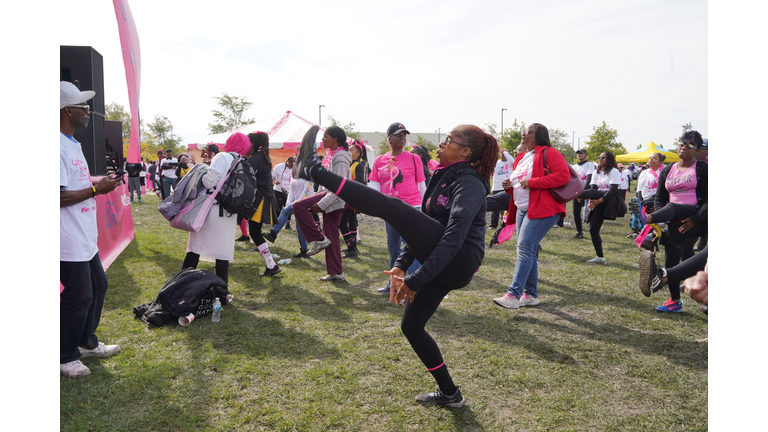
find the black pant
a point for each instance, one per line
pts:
(578, 207)
(596, 219)
(85, 288)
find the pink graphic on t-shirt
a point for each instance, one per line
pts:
(682, 185)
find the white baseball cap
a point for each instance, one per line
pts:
(71, 95)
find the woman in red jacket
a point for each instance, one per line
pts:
(535, 210)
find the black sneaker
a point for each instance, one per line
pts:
(579, 235)
(349, 253)
(270, 235)
(307, 156)
(288, 226)
(301, 254)
(438, 398)
(272, 271)
(243, 239)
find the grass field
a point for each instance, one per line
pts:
(292, 353)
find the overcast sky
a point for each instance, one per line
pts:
(640, 66)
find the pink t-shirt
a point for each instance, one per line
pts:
(399, 176)
(433, 164)
(682, 185)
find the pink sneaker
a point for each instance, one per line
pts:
(527, 300)
(507, 301)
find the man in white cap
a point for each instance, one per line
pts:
(80, 269)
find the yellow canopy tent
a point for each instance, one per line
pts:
(645, 152)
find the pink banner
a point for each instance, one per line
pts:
(129, 42)
(113, 214)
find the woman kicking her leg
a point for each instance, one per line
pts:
(446, 236)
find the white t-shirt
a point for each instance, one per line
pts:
(501, 173)
(624, 183)
(78, 231)
(522, 171)
(143, 172)
(584, 170)
(605, 180)
(170, 173)
(648, 182)
(299, 189)
(282, 173)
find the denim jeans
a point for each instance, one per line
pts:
(393, 244)
(530, 232)
(167, 184)
(285, 213)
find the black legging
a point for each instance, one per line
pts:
(348, 225)
(254, 229)
(422, 234)
(222, 266)
(679, 246)
(689, 267)
(596, 218)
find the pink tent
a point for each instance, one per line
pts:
(285, 132)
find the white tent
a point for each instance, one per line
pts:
(285, 132)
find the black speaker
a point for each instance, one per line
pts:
(114, 146)
(84, 66)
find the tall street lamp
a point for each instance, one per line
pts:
(502, 122)
(438, 135)
(320, 115)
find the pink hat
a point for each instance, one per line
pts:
(238, 143)
(621, 165)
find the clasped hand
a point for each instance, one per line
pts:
(398, 290)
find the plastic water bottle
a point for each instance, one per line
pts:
(216, 310)
(284, 261)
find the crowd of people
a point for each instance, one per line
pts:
(434, 212)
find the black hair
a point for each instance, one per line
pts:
(260, 144)
(661, 156)
(484, 147)
(542, 135)
(339, 134)
(213, 149)
(694, 137)
(422, 153)
(610, 162)
(363, 151)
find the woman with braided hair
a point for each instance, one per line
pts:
(535, 210)
(447, 236)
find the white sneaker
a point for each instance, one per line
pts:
(597, 260)
(74, 369)
(100, 351)
(508, 301)
(527, 300)
(333, 277)
(319, 246)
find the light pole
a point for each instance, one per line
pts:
(320, 115)
(438, 135)
(502, 122)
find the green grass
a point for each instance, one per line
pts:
(292, 353)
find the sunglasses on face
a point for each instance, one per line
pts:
(687, 146)
(447, 140)
(87, 108)
(601, 158)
